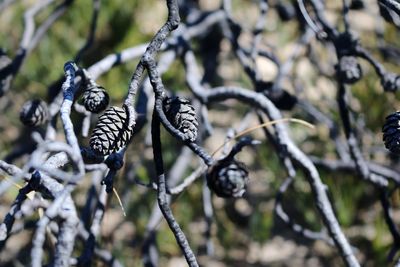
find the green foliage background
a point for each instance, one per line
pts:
(125, 24)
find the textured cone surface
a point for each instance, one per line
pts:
(111, 132)
(228, 178)
(391, 132)
(390, 82)
(349, 70)
(34, 113)
(182, 116)
(95, 98)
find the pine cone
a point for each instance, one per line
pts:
(386, 14)
(348, 70)
(228, 178)
(111, 132)
(34, 113)
(95, 98)
(391, 132)
(390, 82)
(182, 116)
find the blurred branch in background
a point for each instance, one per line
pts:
(158, 115)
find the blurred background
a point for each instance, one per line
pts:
(245, 232)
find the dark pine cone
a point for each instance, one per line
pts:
(182, 116)
(111, 132)
(34, 113)
(387, 14)
(390, 82)
(391, 132)
(228, 178)
(95, 98)
(348, 70)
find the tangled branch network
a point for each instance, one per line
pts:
(228, 65)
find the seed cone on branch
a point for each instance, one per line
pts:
(390, 82)
(391, 132)
(348, 70)
(182, 116)
(112, 132)
(228, 178)
(95, 98)
(34, 113)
